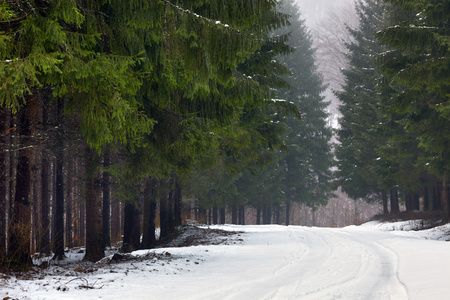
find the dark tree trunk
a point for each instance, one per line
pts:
(264, 215)
(58, 241)
(163, 211)
(188, 210)
(45, 207)
(76, 204)
(385, 202)
(437, 197)
(20, 237)
(115, 222)
(127, 226)
(241, 215)
(234, 212)
(3, 198)
(258, 216)
(445, 197)
(222, 215)
(76, 224)
(177, 202)
(37, 185)
(170, 207)
(288, 212)
(277, 215)
(136, 231)
(408, 202)
(214, 210)
(94, 236)
(395, 209)
(82, 223)
(396, 196)
(20, 233)
(43, 244)
(201, 215)
(267, 215)
(150, 195)
(426, 199)
(196, 209)
(12, 162)
(415, 201)
(4, 178)
(106, 199)
(69, 201)
(131, 228)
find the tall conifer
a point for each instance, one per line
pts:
(359, 133)
(419, 76)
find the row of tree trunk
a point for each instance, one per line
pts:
(434, 198)
(431, 199)
(53, 193)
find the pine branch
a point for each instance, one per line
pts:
(15, 20)
(218, 23)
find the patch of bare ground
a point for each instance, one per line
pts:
(185, 236)
(188, 235)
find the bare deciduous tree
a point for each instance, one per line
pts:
(330, 37)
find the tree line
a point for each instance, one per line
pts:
(394, 129)
(117, 118)
(147, 103)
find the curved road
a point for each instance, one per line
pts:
(307, 263)
(276, 262)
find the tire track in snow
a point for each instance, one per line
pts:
(299, 263)
(354, 268)
(319, 263)
(388, 280)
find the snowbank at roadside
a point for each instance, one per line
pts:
(413, 228)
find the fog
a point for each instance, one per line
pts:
(327, 20)
(314, 11)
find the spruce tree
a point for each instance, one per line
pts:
(359, 133)
(307, 166)
(419, 76)
(119, 66)
(302, 171)
(378, 150)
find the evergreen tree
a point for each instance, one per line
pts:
(378, 151)
(243, 137)
(307, 166)
(266, 184)
(419, 75)
(359, 133)
(302, 171)
(122, 66)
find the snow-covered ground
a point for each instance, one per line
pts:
(372, 261)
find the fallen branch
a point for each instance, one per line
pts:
(86, 285)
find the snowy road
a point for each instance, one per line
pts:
(299, 263)
(275, 262)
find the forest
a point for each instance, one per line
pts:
(117, 118)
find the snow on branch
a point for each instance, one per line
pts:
(187, 11)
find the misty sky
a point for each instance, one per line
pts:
(316, 13)
(315, 10)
